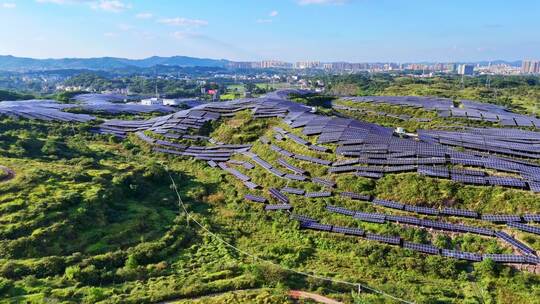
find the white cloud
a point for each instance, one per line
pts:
(185, 22)
(113, 6)
(124, 27)
(8, 5)
(64, 1)
(321, 2)
(110, 34)
(273, 13)
(144, 16)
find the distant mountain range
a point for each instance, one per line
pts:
(21, 64)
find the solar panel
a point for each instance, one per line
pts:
(374, 175)
(531, 259)
(422, 210)
(532, 218)
(254, 198)
(475, 230)
(295, 177)
(277, 207)
(370, 217)
(324, 182)
(523, 227)
(251, 185)
(394, 240)
(287, 165)
(318, 194)
(505, 258)
(278, 195)
(276, 172)
(517, 244)
(403, 219)
(469, 256)
(496, 218)
(312, 159)
(459, 212)
(340, 210)
(315, 226)
(293, 190)
(358, 196)
(348, 231)
(388, 204)
(430, 249)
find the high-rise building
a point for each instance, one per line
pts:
(267, 64)
(530, 67)
(307, 65)
(466, 69)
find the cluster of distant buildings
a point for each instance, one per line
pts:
(463, 69)
(528, 67)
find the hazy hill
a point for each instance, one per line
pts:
(11, 63)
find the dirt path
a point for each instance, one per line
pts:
(208, 296)
(297, 294)
(10, 174)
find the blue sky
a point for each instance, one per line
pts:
(291, 30)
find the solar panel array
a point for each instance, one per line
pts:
(363, 149)
(445, 107)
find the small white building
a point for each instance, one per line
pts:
(154, 101)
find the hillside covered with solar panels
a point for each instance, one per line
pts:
(419, 199)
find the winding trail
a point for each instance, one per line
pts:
(298, 294)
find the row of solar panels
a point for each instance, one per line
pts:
(308, 223)
(382, 218)
(494, 218)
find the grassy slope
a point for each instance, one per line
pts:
(102, 224)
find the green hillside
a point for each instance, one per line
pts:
(94, 219)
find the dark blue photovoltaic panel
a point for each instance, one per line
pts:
(356, 196)
(254, 198)
(403, 219)
(318, 194)
(496, 218)
(532, 218)
(340, 210)
(324, 182)
(523, 227)
(505, 258)
(277, 207)
(430, 249)
(389, 204)
(348, 231)
(422, 210)
(278, 195)
(315, 226)
(459, 212)
(370, 217)
(293, 190)
(394, 240)
(469, 256)
(295, 177)
(512, 241)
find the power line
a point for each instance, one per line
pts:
(358, 285)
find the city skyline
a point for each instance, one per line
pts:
(353, 31)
